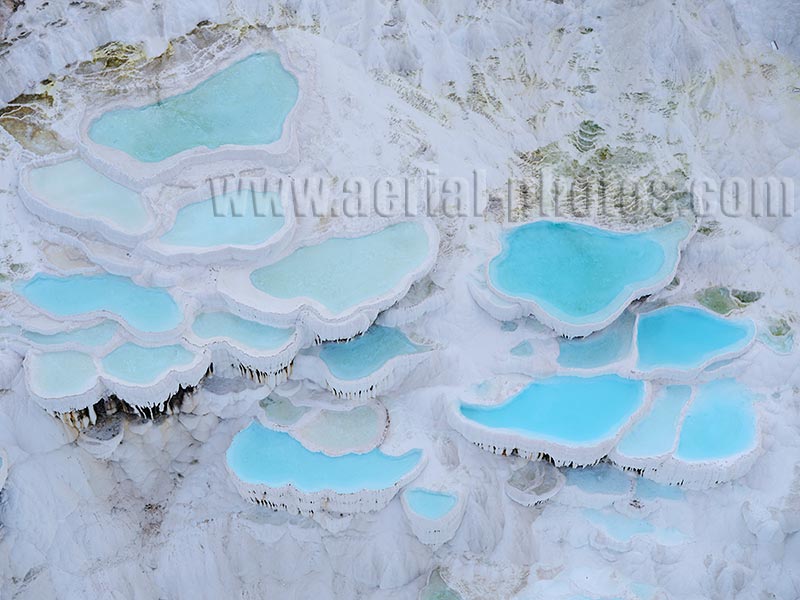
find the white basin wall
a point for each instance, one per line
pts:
(435, 532)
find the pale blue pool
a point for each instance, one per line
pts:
(624, 528)
(274, 458)
(59, 374)
(599, 349)
(616, 525)
(646, 489)
(523, 349)
(720, 423)
(366, 353)
(257, 216)
(437, 589)
(75, 188)
(684, 338)
(146, 309)
(581, 274)
(139, 364)
(599, 479)
(656, 432)
(428, 503)
(218, 325)
(91, 337)
(341, 273)
(245, 104)
(569, 410)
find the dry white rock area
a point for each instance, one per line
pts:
(686, 88)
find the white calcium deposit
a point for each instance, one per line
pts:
(692, 88)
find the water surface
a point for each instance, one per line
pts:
(245, 104)
(367, 352)
(144, 308)
(428, 503)
(274, 458)
(341, 273)
(569, 410)
(684, 338)
(75, 188)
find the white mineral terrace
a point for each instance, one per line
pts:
(717, 438)
(273, 469)
(218, 380)
(369, 365)
(333, 432)
(70, 380)
(568, 420)
(345, 281)
(70, 369)
(694, 437)
(67, 191)
(423, 297)
(433, 515)
(265, 349)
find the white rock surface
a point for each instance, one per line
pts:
(410, 86)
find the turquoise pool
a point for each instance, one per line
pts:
(568, 410)
(599, 349)
(582, 275)
(257, 217)
(600, 479)
(341, 273)
(141, 365)
(220, 325)
(75, 188)
(683, 338)
(656, 432)
(624, 529)
(96, 335)
(59, 374)
(146, 309)
(720, 423)
(616, 525)
(366, 353)
(274, 458)
(428, 503)
(523, 349)
(245, 104)
(646, 489)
